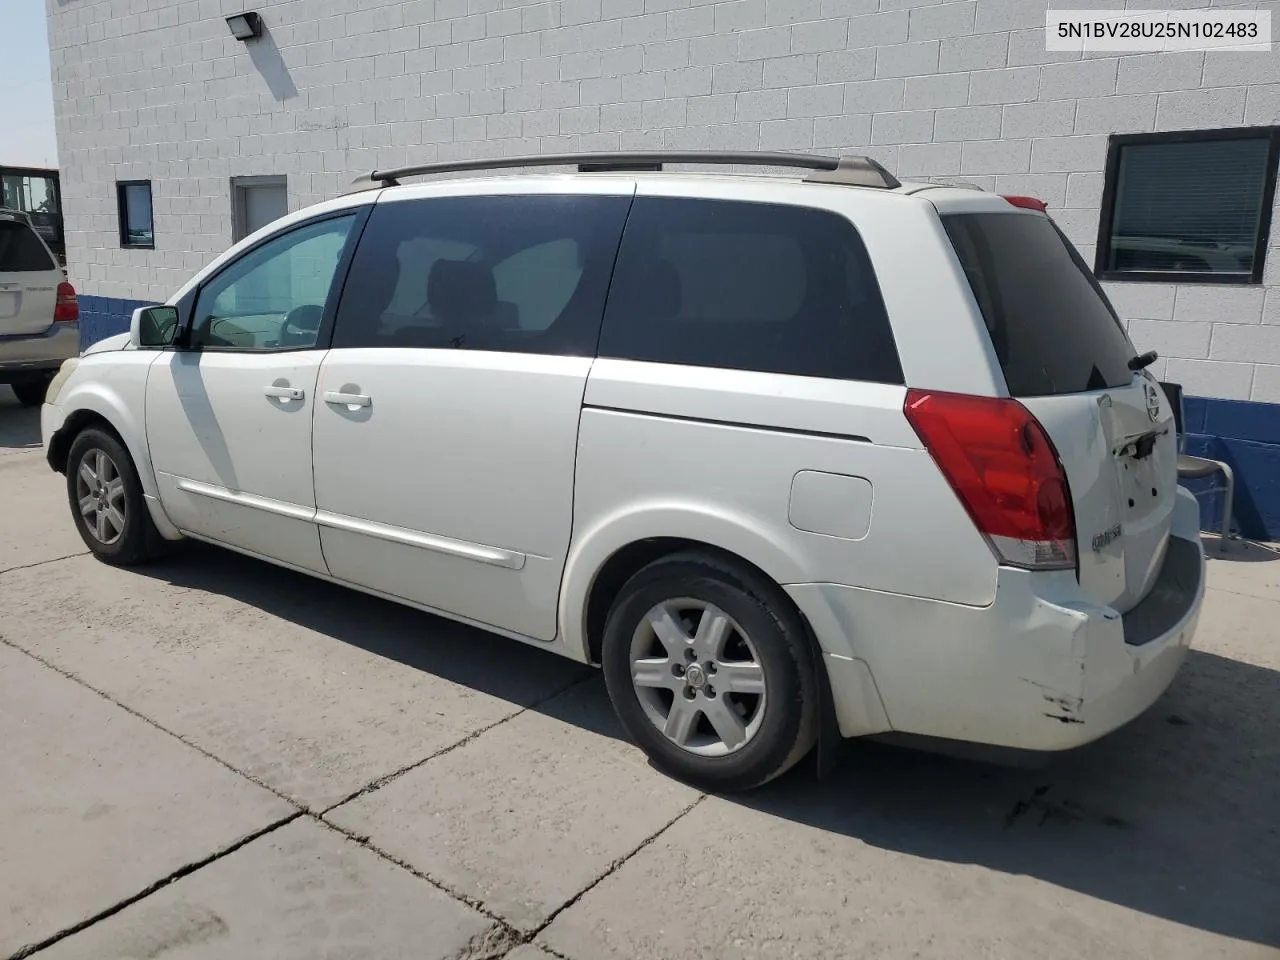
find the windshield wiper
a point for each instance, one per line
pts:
(1143, 360)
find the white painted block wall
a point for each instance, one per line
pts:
(159, 90)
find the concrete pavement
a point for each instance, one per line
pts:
(212, 757)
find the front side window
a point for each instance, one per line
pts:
(134, 200)
(521, 274)
(1188, 206)
(748, 286)
(273, 297)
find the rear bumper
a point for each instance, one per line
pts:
(1041, 668)
(38, 354)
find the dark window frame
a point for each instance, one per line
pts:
(122, 215)
(1116, 144)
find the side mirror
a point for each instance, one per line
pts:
(152, 327)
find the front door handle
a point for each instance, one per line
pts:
(283, 393)
(339, 398)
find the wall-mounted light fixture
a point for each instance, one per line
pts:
(245, 26)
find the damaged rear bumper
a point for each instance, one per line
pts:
(1042, 668)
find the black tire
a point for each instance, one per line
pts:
(138, 541)
(30, 393)
(788, 728)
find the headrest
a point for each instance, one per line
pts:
(461, 288)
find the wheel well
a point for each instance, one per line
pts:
(60, 444)
(629, 561)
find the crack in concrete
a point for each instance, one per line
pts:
(41, 563)
(472, 902)
(301, 807)
(178, 874)
(612, 869)
(379, 782)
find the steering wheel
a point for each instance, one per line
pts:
(301, 325)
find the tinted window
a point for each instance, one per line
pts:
(748, 286)
(21, 250)
(273, 297)
(1052, 328)
(1168, 216)
(136, 228)
(525, 274)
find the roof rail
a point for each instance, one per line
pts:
(850, 171)
(945, 185)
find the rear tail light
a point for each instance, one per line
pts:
(1028, 203)
(67, 308)
(1006, 472)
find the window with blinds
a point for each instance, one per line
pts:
(1188, 206)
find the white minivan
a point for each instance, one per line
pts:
(789, 457)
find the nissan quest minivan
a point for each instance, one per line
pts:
(790, 457)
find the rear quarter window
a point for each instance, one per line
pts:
(764, 287)
(1052, 327)
(21, 250)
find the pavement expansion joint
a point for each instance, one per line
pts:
(152, 888)
(616, 865)
(386, 778)
(302, 808)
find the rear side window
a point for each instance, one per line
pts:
(521, 274)
(748, 286)
(1052, 327)
(21, 250)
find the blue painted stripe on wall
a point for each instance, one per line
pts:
(1243, 434)
(105, 316)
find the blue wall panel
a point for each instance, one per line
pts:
(105, 316)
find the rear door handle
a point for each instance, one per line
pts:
(283, 393)
(347, 399)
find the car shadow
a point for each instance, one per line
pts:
(19, 425)
(1176, 815)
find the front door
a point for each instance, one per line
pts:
(229, 417)
(446, 435)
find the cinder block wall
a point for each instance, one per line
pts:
(158, 89)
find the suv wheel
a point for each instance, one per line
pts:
(106, 500)
(30, 393)
(711, 672)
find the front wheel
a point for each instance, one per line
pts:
(710, 670)
(106, 500)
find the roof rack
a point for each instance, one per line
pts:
(943, 185)
(849, 171)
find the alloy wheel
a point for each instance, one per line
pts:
(100, 496)
(698, 677)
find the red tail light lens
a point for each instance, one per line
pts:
(1006, 472)
(1028, 203)
(67, 308)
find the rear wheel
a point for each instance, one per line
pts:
(30, 393)
(106, 500)
(710, 670)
